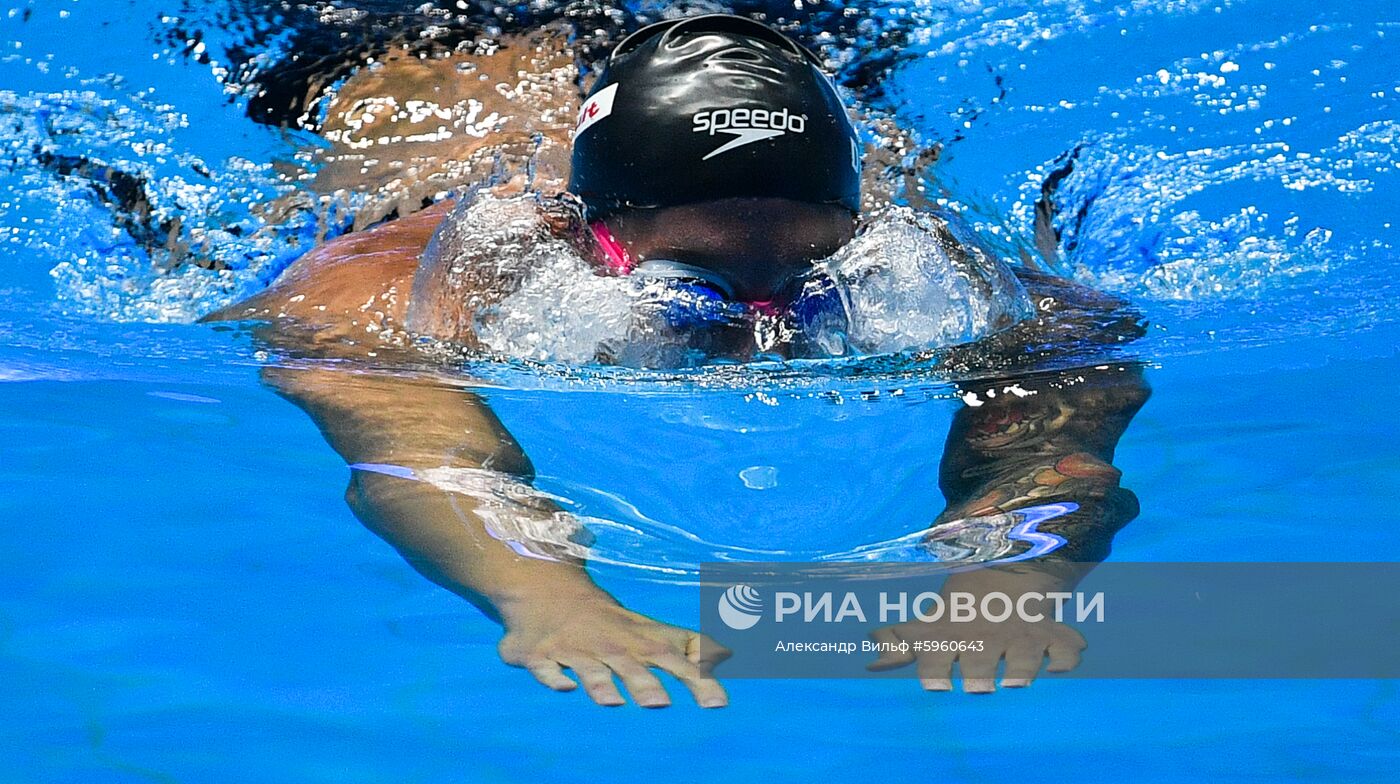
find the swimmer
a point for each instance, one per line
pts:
(713, 160)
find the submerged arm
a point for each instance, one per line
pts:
(1015, 445)
(406, 439)
(1042, 441)
(438, 477)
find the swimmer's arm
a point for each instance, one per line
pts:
(401, 424)
(1018, 444)
(554, 615)
(1014, 450)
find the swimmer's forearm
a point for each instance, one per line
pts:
(1052, 443)
(440, 535)
(413, 427)
(1102, 506)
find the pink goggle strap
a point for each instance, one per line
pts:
(615, 257)
(620, 262)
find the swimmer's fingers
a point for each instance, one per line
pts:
(1064, 653)
(551, 675)
(979, 671)
(597, 680)
(894, 651)
(1022, 665)
(645, 688)
(936, 671)
(703, 652)
(707, 691)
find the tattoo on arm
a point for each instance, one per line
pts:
(1046, 440)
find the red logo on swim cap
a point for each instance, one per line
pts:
(595, 108)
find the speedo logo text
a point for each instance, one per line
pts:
(746, 126)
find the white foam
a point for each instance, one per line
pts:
(907, 283)
(910, 284)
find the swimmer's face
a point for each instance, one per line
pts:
(756, 245)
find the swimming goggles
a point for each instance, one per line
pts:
(808, 312)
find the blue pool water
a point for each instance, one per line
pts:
(186, 597)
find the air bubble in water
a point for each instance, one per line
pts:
(759, 477)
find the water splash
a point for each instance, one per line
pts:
(1127, 222)
(907, 284)
(1221, 164)
(135, 227)
(1240, 175)
(911, 285)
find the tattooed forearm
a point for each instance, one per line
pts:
(1046, 440)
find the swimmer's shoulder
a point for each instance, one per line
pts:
(1072, 310)
(358, 280)
(1063, 292)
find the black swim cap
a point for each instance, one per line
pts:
(712, 107)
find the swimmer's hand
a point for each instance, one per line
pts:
(597, 638)
(979, 646)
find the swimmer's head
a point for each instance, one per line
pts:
(718, 142)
